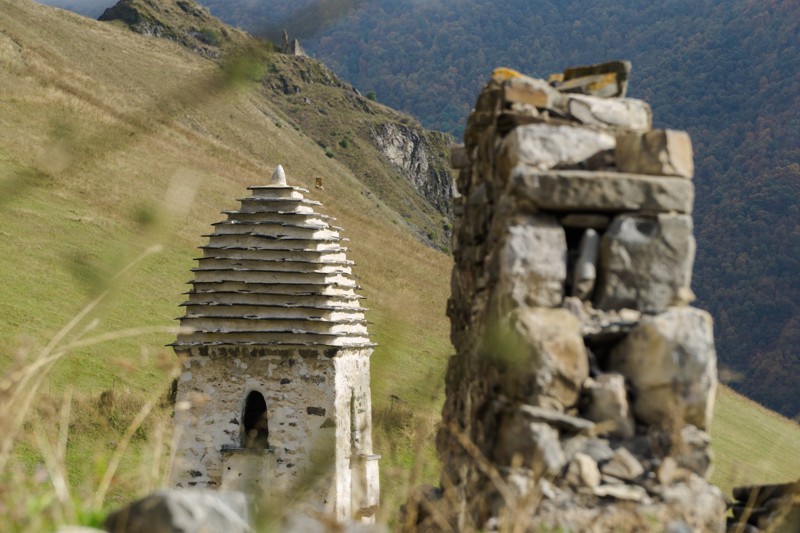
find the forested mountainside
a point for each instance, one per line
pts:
(726, 72)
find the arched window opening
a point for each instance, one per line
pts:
(256, 430)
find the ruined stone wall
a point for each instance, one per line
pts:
(583, 383)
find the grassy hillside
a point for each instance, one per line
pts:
(111, 142)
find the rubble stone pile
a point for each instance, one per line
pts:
(583, 386)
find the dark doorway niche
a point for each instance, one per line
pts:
(256, 429)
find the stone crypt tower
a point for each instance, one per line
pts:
(275, 385)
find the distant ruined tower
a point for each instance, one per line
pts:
(583, 385)
(275, 387)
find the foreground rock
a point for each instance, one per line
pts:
(182, 511)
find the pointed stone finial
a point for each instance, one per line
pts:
(278, 177)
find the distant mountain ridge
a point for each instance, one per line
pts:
(725, 72)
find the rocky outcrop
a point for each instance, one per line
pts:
(418, 154)
(183, 21)
(583, 384)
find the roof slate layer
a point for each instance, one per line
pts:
(286, 284)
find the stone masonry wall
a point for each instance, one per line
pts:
(210, 402)
(583, 385)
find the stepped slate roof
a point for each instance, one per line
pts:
(274, 274)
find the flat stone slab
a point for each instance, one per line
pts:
(554, 418)
(564, 190)
(621, 492)
(545, 146)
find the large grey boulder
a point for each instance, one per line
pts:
(533, 264)
(646, 262)
(182, 511)
(545, 146)
(544, 357)
(582, 190)
(671, 363)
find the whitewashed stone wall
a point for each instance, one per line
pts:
(299, 392)
(357, 482)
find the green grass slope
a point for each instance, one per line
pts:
(111, 142)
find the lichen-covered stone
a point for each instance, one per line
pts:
(605, 80)
(531, 91)
(646, 262)
(671, 363)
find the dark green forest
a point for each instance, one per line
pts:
(727, 72)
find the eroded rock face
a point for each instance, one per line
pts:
(411, 151)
